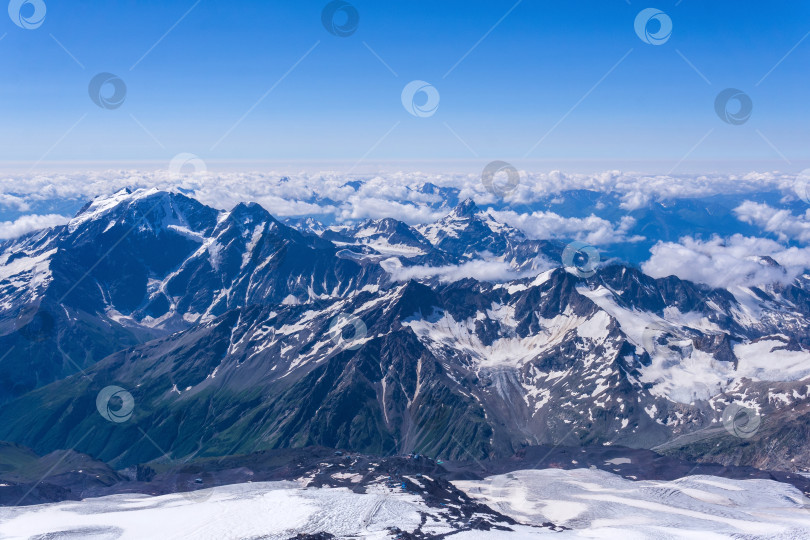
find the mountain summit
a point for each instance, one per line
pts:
(465, 209)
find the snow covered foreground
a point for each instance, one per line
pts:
(598, 504)
(591, 503)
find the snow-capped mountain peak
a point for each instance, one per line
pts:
(466, 209)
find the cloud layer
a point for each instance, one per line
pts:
(415, 198)
(29, 223)
(393, 195)
(782, 222)
(481, 270)
(722, 263)
(592, 229)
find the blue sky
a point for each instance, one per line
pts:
(526, 80)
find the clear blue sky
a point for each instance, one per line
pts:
(340, 100)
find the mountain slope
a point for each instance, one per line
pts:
(466, 370)
(136, 266)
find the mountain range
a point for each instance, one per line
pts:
(461, 339)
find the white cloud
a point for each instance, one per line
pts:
(12, 201)
(360, 207)
(279, 207)
(481, 270)
(781, 222)
(634, 200)
(396, 190)
(30, 223)
(336, 196)
(723, 263)
(592, 229)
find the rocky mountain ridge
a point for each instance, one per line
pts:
(234, 333)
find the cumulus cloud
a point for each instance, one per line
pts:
(781, 222)
(359, 207)
(722, 263)
(634, 200)
(13, 201)
(286, 208)
(481, 270)
(592, 229)
(32, 222)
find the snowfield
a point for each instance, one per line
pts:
(598, 504)
(271, 510)
(590, 503)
